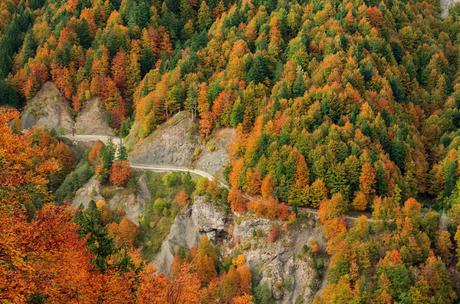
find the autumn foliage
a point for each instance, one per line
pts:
(124, 233)
(348, 107)
(95, 151)
(120, 172)
(44, 255)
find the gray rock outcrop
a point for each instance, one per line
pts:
(90, 191)
(171, 144)
(203, 218)
(445, 5)
(209, 219)
(176, 143)
(282, 265)
(48, 109)
(131, 203)
(93, 119)
(214, 156)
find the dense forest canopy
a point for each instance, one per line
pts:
(350, 87)
(345, 106)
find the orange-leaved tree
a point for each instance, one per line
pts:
(120, 173)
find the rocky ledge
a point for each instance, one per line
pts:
(282, 265)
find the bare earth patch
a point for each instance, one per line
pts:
(177, 143)
(173, 143)
(48, 109)
(93, 119)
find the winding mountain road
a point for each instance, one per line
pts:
(151, 167)
(170, 168)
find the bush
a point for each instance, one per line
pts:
(201, 185)
(120, 173)
(170, 179)
(189, 185)
(74, 181)
(274, 234)
(262, 294)
(161, 204)
(95, 151)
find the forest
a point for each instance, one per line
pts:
(351, 108)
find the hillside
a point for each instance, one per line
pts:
(376, 83)
(344, 107)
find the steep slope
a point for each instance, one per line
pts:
(177, 143)
(173, 143)
(328, 91)
(48, 109)
(93, 119)
(289, 272)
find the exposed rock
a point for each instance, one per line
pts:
(209, 218)
(445, 5)
(183, 233)
(131, 203)
(214, 156)
(143, 190)
(93, 119)
(283, 265)
(48, 109)
(203, 218)
(176, 142)
(128, 203)
(171, 144)
(90, 191)
(288, 271)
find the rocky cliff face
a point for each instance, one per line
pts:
(445, 4)
(283, 265)
(93, 119)
(131, 203)
(214, 155)
(171, 144)
(177, 143)
(48, 109)
(202, 218)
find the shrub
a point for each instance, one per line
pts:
(182, 198)
(120, 173)
(201, 185)
(161, 204)
(262, 294)
(95, 151)
(170, 179)
(314, 246)
(123, 233)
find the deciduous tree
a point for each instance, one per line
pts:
(120, 173)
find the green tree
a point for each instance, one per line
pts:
(381, 186)
(29, 47)
(83, 34)
(98, 240)
(237, 113)
(263, 294)
(204, 16)
(298, 88)
(450, 179)
(191, 102)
